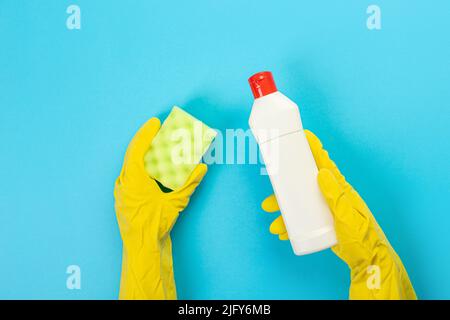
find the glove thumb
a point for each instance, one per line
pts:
(134, 157)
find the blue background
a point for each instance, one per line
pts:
(70, 101)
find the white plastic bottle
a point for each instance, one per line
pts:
(275, 122)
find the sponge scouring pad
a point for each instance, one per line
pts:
(177, 148)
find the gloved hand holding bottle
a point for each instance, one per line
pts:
(146, 215)
(361, 242)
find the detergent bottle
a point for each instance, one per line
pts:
(276, 125)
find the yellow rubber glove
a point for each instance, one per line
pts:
(146, 215)
(376, 270)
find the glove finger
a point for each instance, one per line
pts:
(141, 142)
(180, 198)
(270, 204)
(344, 213)
(278, 226)
(283, 236)
(322, 157)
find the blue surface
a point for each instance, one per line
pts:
(70, 101)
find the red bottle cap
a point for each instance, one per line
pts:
(262, 84)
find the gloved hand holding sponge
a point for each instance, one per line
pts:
(167, 159)
(145, 213)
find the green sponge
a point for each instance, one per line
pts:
(177, 148)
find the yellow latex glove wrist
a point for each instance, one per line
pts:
(146, 215)
(376, 270)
